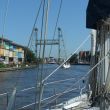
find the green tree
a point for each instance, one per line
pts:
(29, 56)
(74, 59)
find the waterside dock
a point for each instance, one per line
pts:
(16, 68)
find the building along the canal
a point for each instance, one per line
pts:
(84, 57)
(11, 52)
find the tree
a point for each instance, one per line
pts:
(74, 59)
(29, 56)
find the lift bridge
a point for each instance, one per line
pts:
(35, 42)
(48, 42)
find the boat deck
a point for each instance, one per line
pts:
(77, 103)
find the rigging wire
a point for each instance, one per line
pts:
(35, 21)
(13, 99)
(66, 59)
(37, 79)
(83, 76)
(59, 81)
(26, 89)
(56, 24)
(47, 98)
(6, 13)
(90, 70)
(54, 82)
(34, 26)
(60, 94)
(42, 25)
(36, 84)
(45, 35)
(41, 35)
(70, 88)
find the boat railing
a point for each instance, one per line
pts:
(6, 94)
(53, 96)
(10, 103)
(33, 87)
(12, 100)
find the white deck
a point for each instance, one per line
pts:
(77, 103)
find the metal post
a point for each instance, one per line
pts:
(103, 72)
(36, 51)
(93, 75)
(55, 96)
(12, 100)
(59, 35)
(7, 98)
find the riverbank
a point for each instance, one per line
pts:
(16, 68)
(81, 64)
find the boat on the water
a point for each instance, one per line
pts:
(66, 65)
(51, 60)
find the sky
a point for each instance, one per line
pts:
(21, 16)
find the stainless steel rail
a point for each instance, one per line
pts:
(12, 100)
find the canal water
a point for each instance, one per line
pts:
(22, 79)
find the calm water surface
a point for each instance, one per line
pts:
(27, 78)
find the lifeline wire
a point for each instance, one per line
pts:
(47, 98)
(26, 89)
(66, 59)
(56, 24)
(42, 24)
(45, 35)
(70, 88)
(82, 77)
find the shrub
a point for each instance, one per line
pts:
(2, 65)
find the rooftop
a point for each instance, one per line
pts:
(11, 42)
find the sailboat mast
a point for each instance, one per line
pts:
(45, 35)
(104, 67)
